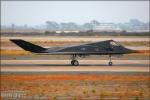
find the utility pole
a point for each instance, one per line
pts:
(13, 28)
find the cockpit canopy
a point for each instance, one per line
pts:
(113, 43)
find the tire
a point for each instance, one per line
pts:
(110, 63)
(74, 63)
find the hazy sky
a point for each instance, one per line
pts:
(38, 12)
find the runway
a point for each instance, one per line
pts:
(65, 66)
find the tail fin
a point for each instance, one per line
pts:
(28, 46)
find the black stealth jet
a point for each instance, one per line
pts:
(108, 47)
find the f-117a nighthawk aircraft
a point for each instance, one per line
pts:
(108, 47)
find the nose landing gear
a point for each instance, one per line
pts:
(74, 62)
(110, 62)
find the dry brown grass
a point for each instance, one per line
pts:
(14, 52)
(79, 86)
(74, 77)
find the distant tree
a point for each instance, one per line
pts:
(95, 23)
(72, 25)
(88, 26)
(135, 22)
(51, 25)
(25, 26)
(64, 26)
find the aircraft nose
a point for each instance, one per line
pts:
(129, 50)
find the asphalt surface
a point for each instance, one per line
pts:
(90, 66)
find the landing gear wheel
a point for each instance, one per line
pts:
(110, 63)
(74, 63)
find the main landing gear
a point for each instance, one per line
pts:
(74, 62)
(110, 62)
